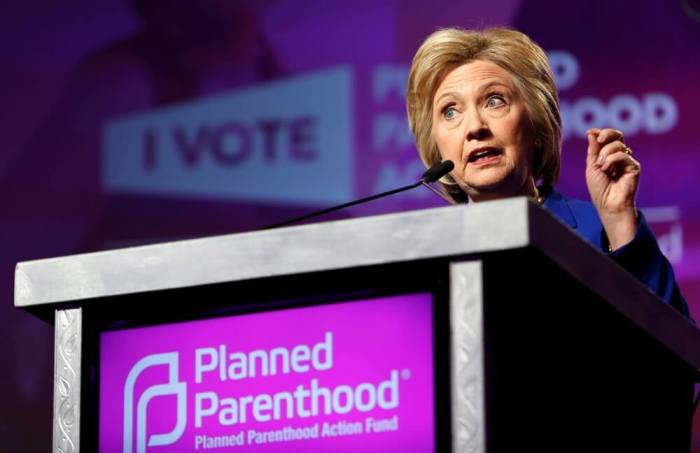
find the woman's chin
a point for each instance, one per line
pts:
(494, 186)
(482, 189)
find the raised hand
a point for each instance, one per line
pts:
(612, 177)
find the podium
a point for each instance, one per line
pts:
(539, 342)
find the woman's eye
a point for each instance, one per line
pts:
(449, 113)
(495, 101)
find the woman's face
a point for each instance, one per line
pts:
(481, 124)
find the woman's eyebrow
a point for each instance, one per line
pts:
(492, 84)
(480, 89)
(446, 94)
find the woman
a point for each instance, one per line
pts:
(487, 101)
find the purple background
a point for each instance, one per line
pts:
(72, 69)
(370, 339)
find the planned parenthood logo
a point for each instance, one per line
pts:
(299, 379)
(172, 387)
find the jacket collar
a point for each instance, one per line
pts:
(558, 205)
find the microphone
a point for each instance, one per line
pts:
(432, 174)
(437, 171)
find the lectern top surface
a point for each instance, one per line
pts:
(448, 231)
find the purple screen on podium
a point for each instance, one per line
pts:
(350, 376)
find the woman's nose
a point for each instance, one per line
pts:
(477, 129)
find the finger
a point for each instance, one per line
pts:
(608, 135)
(593, 146)
(611, 148)
(617, 164)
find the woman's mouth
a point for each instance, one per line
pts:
(484, 156)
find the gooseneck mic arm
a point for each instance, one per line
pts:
(432, 174)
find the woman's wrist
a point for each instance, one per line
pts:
(620, 227)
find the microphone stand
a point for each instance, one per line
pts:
(434, 173)
(344, 205)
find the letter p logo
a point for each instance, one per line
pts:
(172, 387)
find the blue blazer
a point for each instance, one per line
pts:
(642, 256)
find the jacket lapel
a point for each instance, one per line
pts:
(558, 205)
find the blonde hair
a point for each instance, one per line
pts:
(513, 51)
